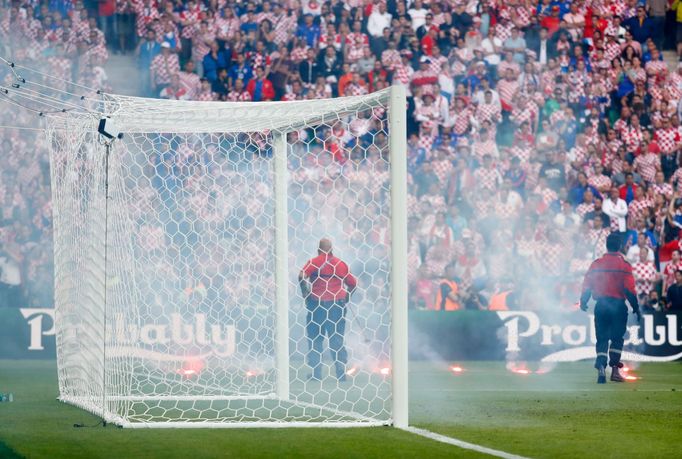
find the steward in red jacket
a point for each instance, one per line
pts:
(609, 280)
(326, 283)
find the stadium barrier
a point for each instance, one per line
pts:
(28, 333)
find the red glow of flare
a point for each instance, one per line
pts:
(631, 378)
(192, 368)
(521, 371)
(625, 369)
(385, 371)
(352, 371)
(457, 369)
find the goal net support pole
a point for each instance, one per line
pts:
(281, 264)
(398, 148)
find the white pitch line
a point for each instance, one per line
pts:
(556, 391)
(462, 444)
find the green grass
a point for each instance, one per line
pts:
(559, 414)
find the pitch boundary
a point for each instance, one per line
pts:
(462, 444)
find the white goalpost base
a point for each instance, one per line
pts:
(176, 261)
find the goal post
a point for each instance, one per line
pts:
(176, 290)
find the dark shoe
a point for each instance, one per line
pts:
(601, 374)
(616, 376)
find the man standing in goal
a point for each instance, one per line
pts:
(326, 284)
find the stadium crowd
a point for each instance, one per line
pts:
(534, 129)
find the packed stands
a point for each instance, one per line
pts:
(534, 130)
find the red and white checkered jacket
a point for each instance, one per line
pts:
(488, 178)
(548, 195)
(258, 59)
(191, 82)
(426, 79)
(355, 89)
(60, 67)
(201, 44)
(164, 67)
(190, 19)
(207, 96)
(669, 273)
(583, 209)
(510, 207)
(632, 137)
(436, 65)
(442, 169)
(489, 112)
(237, 96)
(356, 47)
(578, 82)
(597, 239)
(647, 164)
(638, 209)
(461, 121)
(523, 15)
(551, 258)
(527, 114)
(507, 90)
(503, 31)
(620, 125)
(600, 182)
(284, 28)
(328, 40)
(402, 74)
(654, 68)
(664, 189)
(390, 59)
(226, 29)
(299, 54)
(668, 139)
(144, 15)
(645, 275)
(429, 118)
(489, 147)
(503, 66)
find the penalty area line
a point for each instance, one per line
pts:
(461, 444)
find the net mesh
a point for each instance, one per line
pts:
(170, 315)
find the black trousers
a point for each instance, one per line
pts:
(326, 318)
(610, 321)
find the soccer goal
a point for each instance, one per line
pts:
(178, 248)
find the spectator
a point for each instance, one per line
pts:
(213, 61)
(640, 26)
(673, 294)
(146, 51)
(309, 31)
(260, 88)
(163, 67)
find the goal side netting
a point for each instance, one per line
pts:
(178, 248)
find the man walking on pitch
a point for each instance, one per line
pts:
(326, 284)
(610, 281)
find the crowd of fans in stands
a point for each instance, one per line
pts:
(534, 129)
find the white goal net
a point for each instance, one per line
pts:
(177, 297)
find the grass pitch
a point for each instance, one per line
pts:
(561, 414)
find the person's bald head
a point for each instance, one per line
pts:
(325, 246)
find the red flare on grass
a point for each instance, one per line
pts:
(192, 367)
